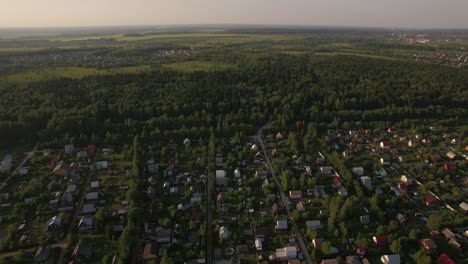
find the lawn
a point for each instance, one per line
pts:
(68, 72)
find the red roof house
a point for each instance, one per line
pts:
(380, 241)
(444, 259)
(430, 199)
(336, 182)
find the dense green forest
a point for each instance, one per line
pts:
(233, 83)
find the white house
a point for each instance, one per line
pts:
(6, 163)
(359, 171)
(68, 148)
(342, 191)
(259, 244)
(237, 173)
(366, 181)
(95, 184)
(286, 253)
(101, 165)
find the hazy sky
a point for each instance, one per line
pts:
(386, 13)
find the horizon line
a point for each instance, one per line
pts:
(271, 25)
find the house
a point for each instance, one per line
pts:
(81, 154)
(224, 233)
(281, 225)
(390, 259)
(55, 223)
(317, 243)
(271, 198)
(384, 161)
(85, 223)
(364, 219)
(150, 192)
(353, 260)
(237, 173)
(221, 178)
(6, 163)
(61, 169)
(314, 224)
(286, 253)
(361, 251)
(300, 207)
(380, 241)
(92, 196)
(385, 144)
(88, 209)
(81, 252)
(71, 188)
(451, 155)
(428, 244)
(336, 182)
(261, 174)
(402, 187)
(464, 207)
(23, 171)
(220, 198)
(259, 244)
(68, 149)
(295, 195)
(359, 171)
(449, 166)
(42, 253)
(430, 200)
(100, 165)
(163, 235)
(402, 159)
(444, 259)
(401, 218)
(406, 180)
(67, 198)
(279, 136)
(411, 143)
(95, 184)
(366, 181)
(342, 191)
(274, 209)
(329, 261)
(454, 243)
(150, 251)
(325, 170)
(448, 233)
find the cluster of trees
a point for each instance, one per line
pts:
(329, 91)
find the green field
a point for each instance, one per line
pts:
(68, 72)
(193, 66)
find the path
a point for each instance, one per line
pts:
(284, 198)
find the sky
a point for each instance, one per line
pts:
(369, 13)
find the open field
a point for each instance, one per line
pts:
(68, 72)
(193, 66)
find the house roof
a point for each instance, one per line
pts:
(282, 224)
(295, 194)
(448, 233)
(391, 259)
(336, 180)
(380, 240)
(430, 199)
(150, 250)
(444, 259)
(428, 244)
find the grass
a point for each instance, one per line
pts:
(68, 72)
(356, 54)
(192, 66)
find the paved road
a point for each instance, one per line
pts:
(284, 198)
(209, 235)
(15, 171)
